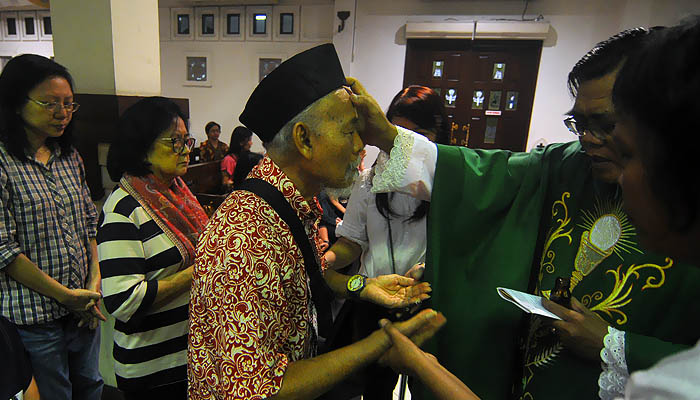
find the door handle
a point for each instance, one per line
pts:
(466, 128)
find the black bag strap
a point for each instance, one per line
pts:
(321, 294)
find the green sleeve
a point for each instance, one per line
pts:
(642, 352)
(482, 232)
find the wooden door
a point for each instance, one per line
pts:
(487, 86)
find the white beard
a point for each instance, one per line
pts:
(351, 176)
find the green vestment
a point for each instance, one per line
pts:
(520, 220)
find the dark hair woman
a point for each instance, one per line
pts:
(656, 97)
(388, 231)
(241, 140)
(212, 149)
(50, 273)
(147, 237)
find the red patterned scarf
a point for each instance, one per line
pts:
(174, 208)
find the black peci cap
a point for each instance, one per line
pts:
(290, 88)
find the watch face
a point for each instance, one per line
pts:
(355, 283)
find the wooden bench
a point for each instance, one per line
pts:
(204, 180)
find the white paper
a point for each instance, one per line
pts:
(527, 302)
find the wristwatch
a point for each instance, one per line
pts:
(355, 285)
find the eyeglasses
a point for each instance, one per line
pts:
(57, 107)
(600, 131)
(179, 144)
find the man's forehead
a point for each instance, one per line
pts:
(595, 96)
(341, 105)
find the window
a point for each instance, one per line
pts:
(437, 69)
(47, 26)
(451, 97)
(233, 24)
(511, 101)
(259, 24)
(207, 24)
(495, 100)
(183, 24)
(286, 24)
(43, 26)
(11, 26)
(29, 26)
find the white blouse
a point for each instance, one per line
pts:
(674, 377)
(364, 225)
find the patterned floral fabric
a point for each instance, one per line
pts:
(209, 153)
(250, 313)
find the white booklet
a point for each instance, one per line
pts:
(527, 302)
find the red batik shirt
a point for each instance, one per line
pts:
(250, 313)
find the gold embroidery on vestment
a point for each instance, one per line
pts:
(547, 260)
(619, 297)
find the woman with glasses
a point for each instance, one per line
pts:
(146, 238)
(49, 275)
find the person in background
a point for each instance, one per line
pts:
(331, 217)
(49, 272)
(212, 149)
(241, 140)
(387, 231)
(146, 240)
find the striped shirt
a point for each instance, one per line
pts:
(150, 344)
(48, 216)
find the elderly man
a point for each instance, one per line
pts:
(258, 293)
(527, 219)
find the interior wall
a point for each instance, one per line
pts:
(11, 49)
(233, 69)
(379, 45)
(372, 48)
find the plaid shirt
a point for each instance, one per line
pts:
(47, 215)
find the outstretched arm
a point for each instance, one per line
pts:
(376, 129)
(307, 379)
(405, 356)
(390, 291)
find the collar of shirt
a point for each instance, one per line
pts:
(268, 171)
(55, 153)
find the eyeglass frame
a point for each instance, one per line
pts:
(183, 141)
(597, 131)
(57, 107)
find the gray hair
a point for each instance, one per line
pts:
(283, 141)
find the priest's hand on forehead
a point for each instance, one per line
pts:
(375, 129)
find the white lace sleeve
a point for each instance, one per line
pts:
(613, 379)
(410, 167)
